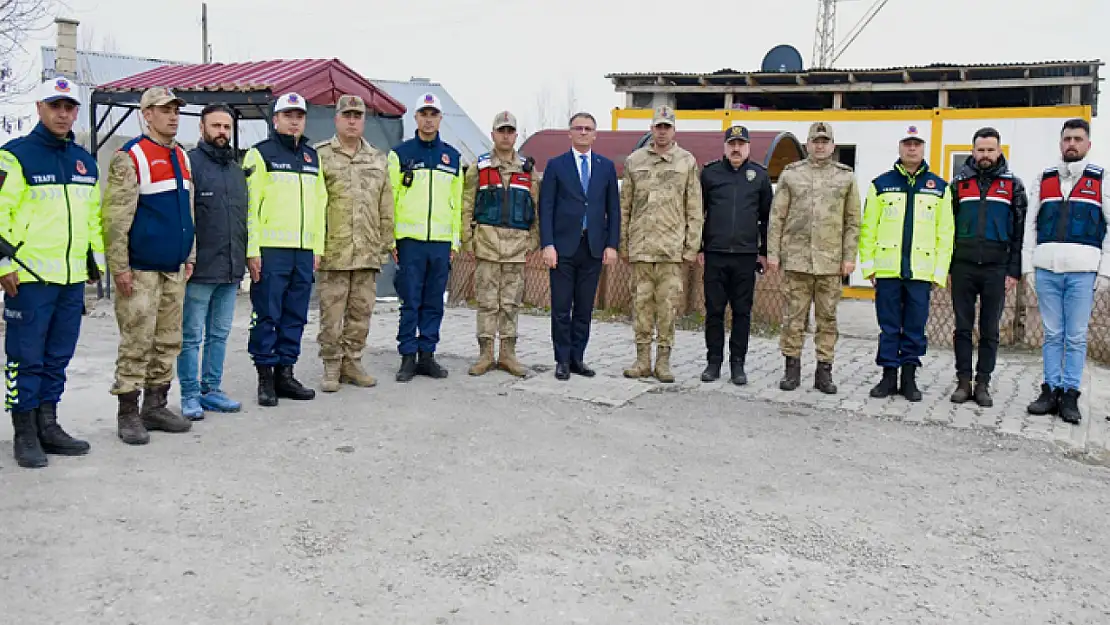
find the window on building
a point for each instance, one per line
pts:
(956, 163)
(641, 100)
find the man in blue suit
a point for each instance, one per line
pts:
(580, 218)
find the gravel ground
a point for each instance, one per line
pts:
(468, 501)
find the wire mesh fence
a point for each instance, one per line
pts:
(614, 292)
(1020, 326)
(1021, 322)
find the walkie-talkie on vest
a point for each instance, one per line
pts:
(7, 250)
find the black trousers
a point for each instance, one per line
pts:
(987, 284)
(729, 280)
(573, 290)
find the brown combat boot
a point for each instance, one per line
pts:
(352, 373)
(485, 358)
(156, 416)
(330, 381)
(131, 430)
(506, 358)
(642, 367)
(663, 365)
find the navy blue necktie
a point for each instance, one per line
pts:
(584, 175)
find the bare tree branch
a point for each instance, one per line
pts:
(19, 19)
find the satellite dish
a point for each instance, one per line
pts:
(782, 58)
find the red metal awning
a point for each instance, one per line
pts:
(320, 81)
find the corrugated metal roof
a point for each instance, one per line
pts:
(320, 81)
(861, 70)
(94, 68)
(616, 145)
(457, 127)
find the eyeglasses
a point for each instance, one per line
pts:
(582, 128)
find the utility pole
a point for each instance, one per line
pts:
(204, 53)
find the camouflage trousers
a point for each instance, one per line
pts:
(499, 288)
(346, 305)
(656, 289)
(149, 323)
(802, 291)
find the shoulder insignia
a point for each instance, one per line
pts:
(840, 165)
(756, 165)
(794, 165)
(712, 162)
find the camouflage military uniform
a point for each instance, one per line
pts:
(814, 230)
(500, 253)
(150, 318)
(359, 236)
(661, 222)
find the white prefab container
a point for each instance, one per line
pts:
(868, 140)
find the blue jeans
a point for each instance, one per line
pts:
(1065, 301)
(208, 311)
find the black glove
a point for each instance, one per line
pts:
(90, 265)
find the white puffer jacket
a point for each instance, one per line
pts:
(1064, 257)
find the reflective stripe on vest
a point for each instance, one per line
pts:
(1076, 219)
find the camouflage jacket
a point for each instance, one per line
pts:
(121, 200)
(493, 243)
(661, 208)
(815, 218)
(360, 207)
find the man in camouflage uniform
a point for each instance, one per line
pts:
(359, 235)
(661, 222)
(151, 249)
(500, 226)
(814, 236)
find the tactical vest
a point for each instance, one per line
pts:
(501, 206)
(985, 214)
(1076, 219)
(162, 231)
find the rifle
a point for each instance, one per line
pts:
(7, 250)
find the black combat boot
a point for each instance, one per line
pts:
(792, 377)
(26, 446)
(1046, 403)
(54, 439)
(888, 385)
(287, 386)
(267, 396)
(739, 378)
(712, 372)
(982, 392)
(822, 378)
(1069, 406)
(909, 388)
(426, 365)
(408, 368)
(963, 391)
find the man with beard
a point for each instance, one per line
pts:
(220, 187)
(1066, 257)
(989, 204)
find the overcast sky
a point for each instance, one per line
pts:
(497, 54)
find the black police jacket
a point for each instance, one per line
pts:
(737, 205)
(220, 196)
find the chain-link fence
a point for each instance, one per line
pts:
(1021, 322)
(614, 292)
(1020, 327)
